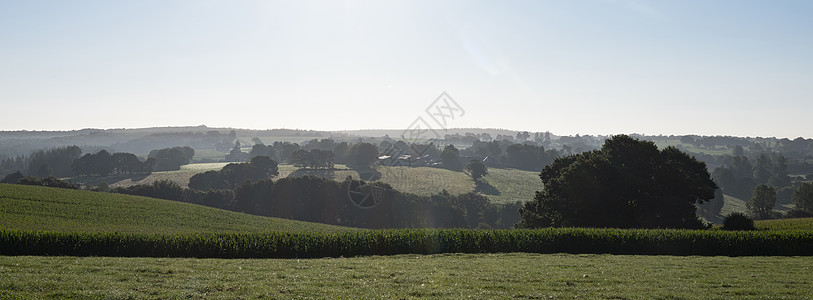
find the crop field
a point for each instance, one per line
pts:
(91, 224)
(411, 241)
(452, 276)
(50, 209)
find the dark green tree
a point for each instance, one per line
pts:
(362, 156)
(741, 167)
(236, 155)
(44, 171)
(169, 159)
(261, 150)
(235, 174)
(803, 197)
(321, 159)
(450, 157)
(263, 167)
(763, 169)
(476, 169)
(209, 180)
(301, 158)
(738, 221)
(762, 201)
(780, 176)
(340, 151)
(13, 177)
(628, 183)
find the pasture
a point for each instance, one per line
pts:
(454, 276)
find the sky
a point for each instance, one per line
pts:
(741, 68)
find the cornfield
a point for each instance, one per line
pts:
(406, 241)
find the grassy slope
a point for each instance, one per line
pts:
(426, 181)
(451, 276)
(513, 185)
(41, 208)
(732, 204)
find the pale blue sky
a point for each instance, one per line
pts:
(591, 67)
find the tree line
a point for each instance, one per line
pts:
(248, 187)
(69, 162)
(316, 199)
(103, 163)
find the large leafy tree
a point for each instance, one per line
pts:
(451, 158)
(803, 197)
(628, 183)
(362, 156)
(476, 169)
(762, 202)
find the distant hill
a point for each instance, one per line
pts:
(51, 209)
(396, 133)
(142, 140)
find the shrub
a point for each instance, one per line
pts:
(738, 221)
(50, 181)
(12, 178)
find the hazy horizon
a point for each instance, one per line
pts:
(442, 131)
(732, 68)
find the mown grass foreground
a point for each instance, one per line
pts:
(392, 242)
(448, 276)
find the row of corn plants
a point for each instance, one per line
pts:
(390, 242)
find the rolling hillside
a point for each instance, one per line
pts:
(503, 185)
(51, 209)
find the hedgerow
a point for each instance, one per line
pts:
(405, 241)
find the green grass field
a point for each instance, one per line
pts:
(451, 276)
(505, 275)
(50, 209)
(785, 224)
(426, 181)
(513, 185)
